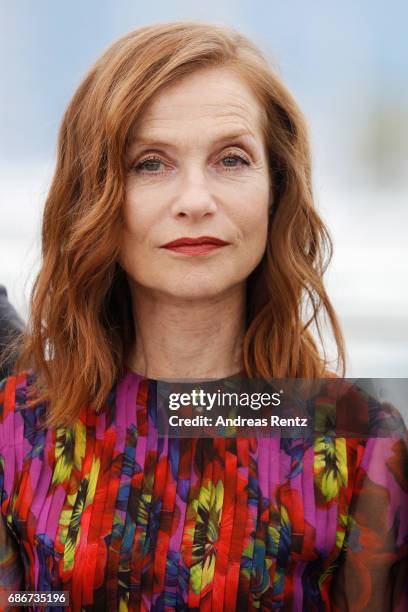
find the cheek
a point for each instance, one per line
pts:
(138, 216)
(132, 236)
(131, 215)
(254, 218)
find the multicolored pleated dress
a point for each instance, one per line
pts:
(124, 519)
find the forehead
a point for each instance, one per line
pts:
(214, 98)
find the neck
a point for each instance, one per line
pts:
(177, 338)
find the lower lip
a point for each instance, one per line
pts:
(195, 249)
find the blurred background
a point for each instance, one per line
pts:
(347, 65)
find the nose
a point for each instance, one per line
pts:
(194, 199)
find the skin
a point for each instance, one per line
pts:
(189, 311)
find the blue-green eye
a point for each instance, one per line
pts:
(239, 158)
(149, 164)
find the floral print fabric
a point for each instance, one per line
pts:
(126, 520)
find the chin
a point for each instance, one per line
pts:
(196, 288)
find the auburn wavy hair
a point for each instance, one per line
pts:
(80, 328)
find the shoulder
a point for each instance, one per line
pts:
(22, 436)
(14, 391)
(356, 409)
(18, 408)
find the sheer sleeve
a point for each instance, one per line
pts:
(11, 567)
(373, 571)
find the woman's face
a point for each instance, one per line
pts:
(197, 167)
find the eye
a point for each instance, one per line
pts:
(148, 165)
(233, 158)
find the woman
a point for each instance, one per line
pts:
(179, 241)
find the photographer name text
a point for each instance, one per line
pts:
(221, 421)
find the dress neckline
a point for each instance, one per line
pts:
(130, 372)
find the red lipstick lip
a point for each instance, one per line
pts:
(194, 241)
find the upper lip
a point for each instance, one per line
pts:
(198, 240)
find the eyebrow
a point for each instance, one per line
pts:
(241, 135)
